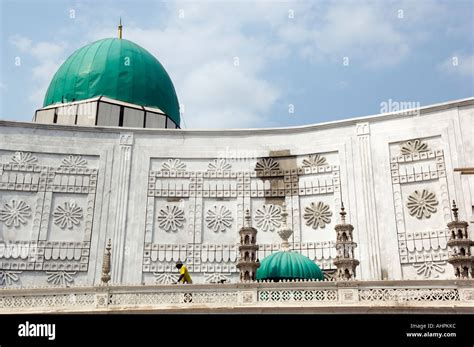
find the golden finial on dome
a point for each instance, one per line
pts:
(120, 28)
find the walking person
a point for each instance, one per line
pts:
(184, 273)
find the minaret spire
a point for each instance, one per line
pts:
(105, 278)
(343, 214)
(455, 211)
(120, 29)
(345, 261)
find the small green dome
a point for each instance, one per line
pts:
(116, 68)
(288, 265)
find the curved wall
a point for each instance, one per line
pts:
(163, 195)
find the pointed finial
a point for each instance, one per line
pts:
(343, 214)
(248, 219)
(285, 231)
(120, 28)
(455, 211)
(105, 278)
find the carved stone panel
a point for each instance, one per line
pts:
(421, 202)
(195, 208)
(46, 213)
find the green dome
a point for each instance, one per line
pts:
(288, 265)
(118, 69)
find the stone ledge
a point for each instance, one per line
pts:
(326, 296)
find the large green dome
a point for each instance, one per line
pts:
(288, 265)
(116, 68)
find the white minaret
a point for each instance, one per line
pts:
(248, 262)
(345, 260)
(460, 256)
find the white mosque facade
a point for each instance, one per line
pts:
(97, 167)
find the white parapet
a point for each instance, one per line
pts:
(291, 297)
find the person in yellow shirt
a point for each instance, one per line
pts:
(184, 273)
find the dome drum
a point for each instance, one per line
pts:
(103, 111)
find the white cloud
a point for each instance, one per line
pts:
(459, 64)
(42, 75)
(21, 42)
(47, 57)
(363, 32)
(199, 49)
(199, 52)
(47, 50)
(221, 95)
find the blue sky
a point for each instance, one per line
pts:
(251, 63)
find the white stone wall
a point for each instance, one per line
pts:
(164, 195)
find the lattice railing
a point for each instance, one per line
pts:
(297, 295)
(170, 299)
(412, 294)
(47, 301)
(443, 293)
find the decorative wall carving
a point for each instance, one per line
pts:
(413, 147)
(317, 215)
(68, 215)
(74, 161)
(430, 269)
(314, 161)
(219, 165)
(266, 165)
(8, 278)
(268, 217)
(422, 248)
(217, 278)
(197, 257)
(163, 183)
(171, 218)
(433, 168)
(45, 255)
(24, 158)
(60, 278)
(165, 278)
(126, 139)
(15, 213)
(219, 218)
(41, 187)
(329, 275)
(222, 258)
(200, 191)
(173, 165)
(422, 203)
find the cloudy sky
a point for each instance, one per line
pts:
(255, 63)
